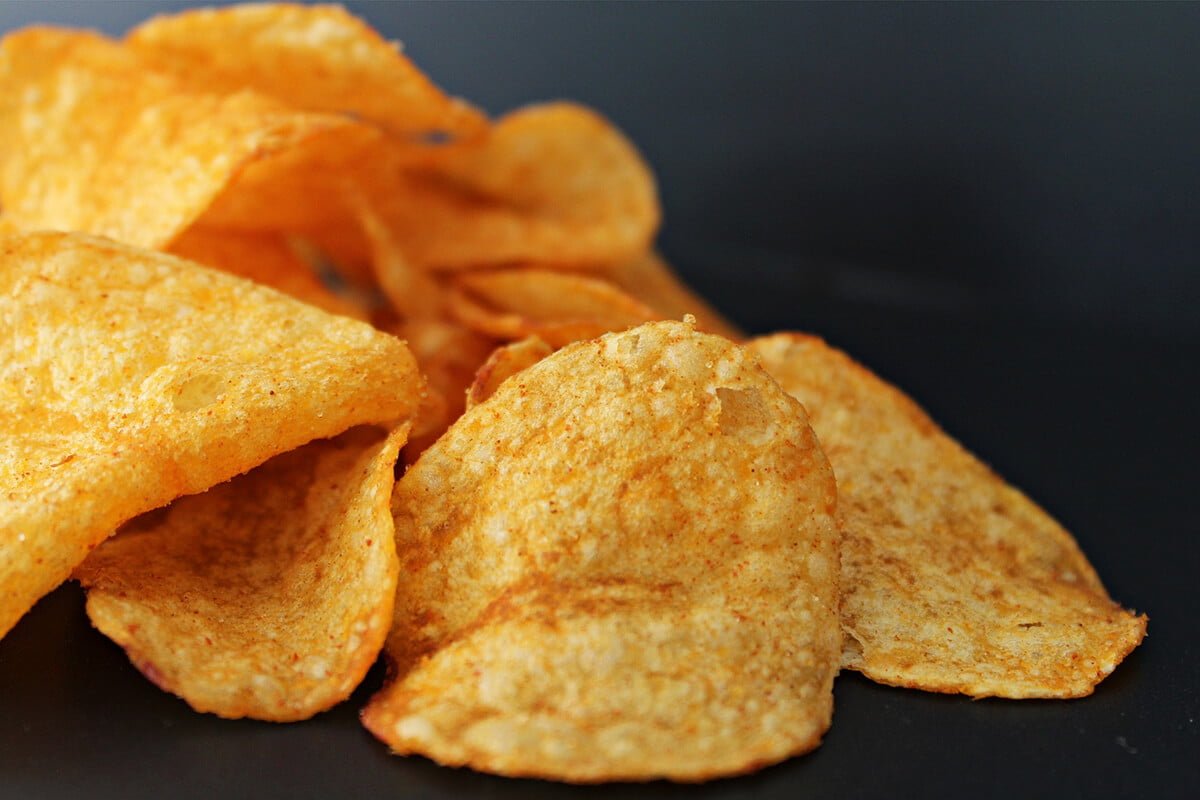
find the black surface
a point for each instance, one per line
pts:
(992, 206)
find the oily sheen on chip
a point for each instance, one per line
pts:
(268, 596)
(952, 580)
(621, 566)
(131, 378)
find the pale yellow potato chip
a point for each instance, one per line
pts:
(550, 184)
(952, 580)
(268, 596)
(91, 141)
(129, 378)
(651, 280)
(558, 307)
(502, 364)
(317, 57)
(621, 567)
(265, 258)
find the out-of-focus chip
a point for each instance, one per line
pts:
(448, 355)
(550, 184)
(502, 364)
(413, 293)
(264, 258)
(952, 580)
(266, 597)
(91, 141)
(622, 566)
(129, 378)
(652, 281)
(558, 307)
(313, 57)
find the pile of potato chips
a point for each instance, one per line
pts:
(252, 257)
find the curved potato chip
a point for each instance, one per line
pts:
(651, 280)
(448, 356)
(413, 293)
(130, 378)
(622, 567)
(952, 580)
(554, 184)
(264, 258)
(320, 58)
(265, 597)
(558, 307)
(91, 141)
(502, 364)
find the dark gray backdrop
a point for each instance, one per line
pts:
(1039, 157)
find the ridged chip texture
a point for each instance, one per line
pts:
(268, 596)
(621, 566)
(952, 580)
(129, 378)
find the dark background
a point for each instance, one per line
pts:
(994, 206)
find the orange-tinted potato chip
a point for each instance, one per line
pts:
(448, 356)
(264, 258)
(320, 58)
(502, 364)
(621, 567)
(412, 293)
(952, 580)
(651, 280)
(266, 597)
(551, 184)
(130, 378)
(92, 141)
(558, 307)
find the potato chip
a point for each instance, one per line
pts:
(621, 567)
(131, 378)
(320, 58)
(264, 258)
(502, 364)
(91, 141)
(952, 580)
(558, 307)
(448, 356)
(650, 279)
(266, 597)
(550, 184)
(412, 293)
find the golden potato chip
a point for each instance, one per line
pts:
(550, 184)
(952, 580)
(412, 293)
(502, 364)
(448, 356)
(131, 378)
(320, 58)
(91, 141)
(266, 597)
(621, 567)
(264, 258)
(651, 280)
(558, 307)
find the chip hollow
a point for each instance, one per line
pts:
(131, 378)
(268, 596)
